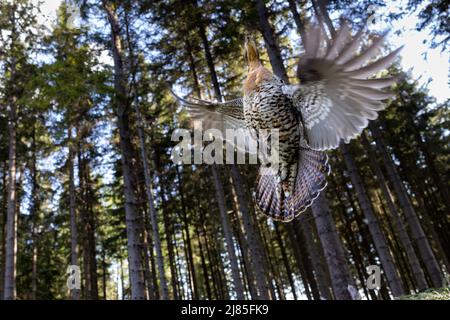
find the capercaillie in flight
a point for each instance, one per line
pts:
(334, 101)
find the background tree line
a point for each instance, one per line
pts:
(87, 179)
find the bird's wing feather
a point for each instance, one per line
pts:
(217, 115)
(335, 98)
(228, 115)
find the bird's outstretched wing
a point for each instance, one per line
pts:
(215, 115)
(335, 97)
(228, 115)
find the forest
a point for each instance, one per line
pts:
(92, 207)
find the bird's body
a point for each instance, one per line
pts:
(266, 107)
(334, 102)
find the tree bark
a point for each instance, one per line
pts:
(271, 42)
(34, 217)
(297, 19)
(313, 250)
(153, 216)
(379, 239)
(417, 233)
(123, 121)
(11, 213)
(285, 260)
(189, 253)
(295, 243)
(341, 279)
(75, 293)
(227, 230)
(256, 252)
(400, 229)
(170, 250)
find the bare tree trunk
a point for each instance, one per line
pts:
(299, 259)
(34, 217)
(285, 260)
(3, 210)
(321, 6)
(87, 238)
(75, 293)
(349, 234)
(189, 253)
(227, 230)
(297, 19)
(11, 213)
(341, 279)
(271, 42)
(122, 110)
(379, 239)
(206, 278)
(256, 252)
(400, 229)
(417, 233)
(104, 275)
(153, 290)
(244, 246)
(313, 249)
(153, 216)
(168, 230)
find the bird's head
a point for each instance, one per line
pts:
(251, 52)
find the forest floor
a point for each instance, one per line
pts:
(431, 294)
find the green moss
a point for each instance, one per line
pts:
(431, 294)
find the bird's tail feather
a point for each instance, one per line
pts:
(270, 198)
(313, 169)
(310, 181)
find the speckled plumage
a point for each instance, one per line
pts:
(333, 102)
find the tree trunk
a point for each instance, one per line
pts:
(320, 7)
(34, 217)
(205, 272)
(417, 233)
(295, 243)
(297, 19)
(227, 230)
(313, 250)
(189, 255)
(11, 213)
(149, 263)
(244, 246)
(153, 216)
(122, 111)
(3, 210)
(256, 252)
(341, 279)
(348, 234)
(87, 199)
(400, 229)
(168, 231)
(379, 239)
(285, 260)
(75, 293)
(271, 42)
